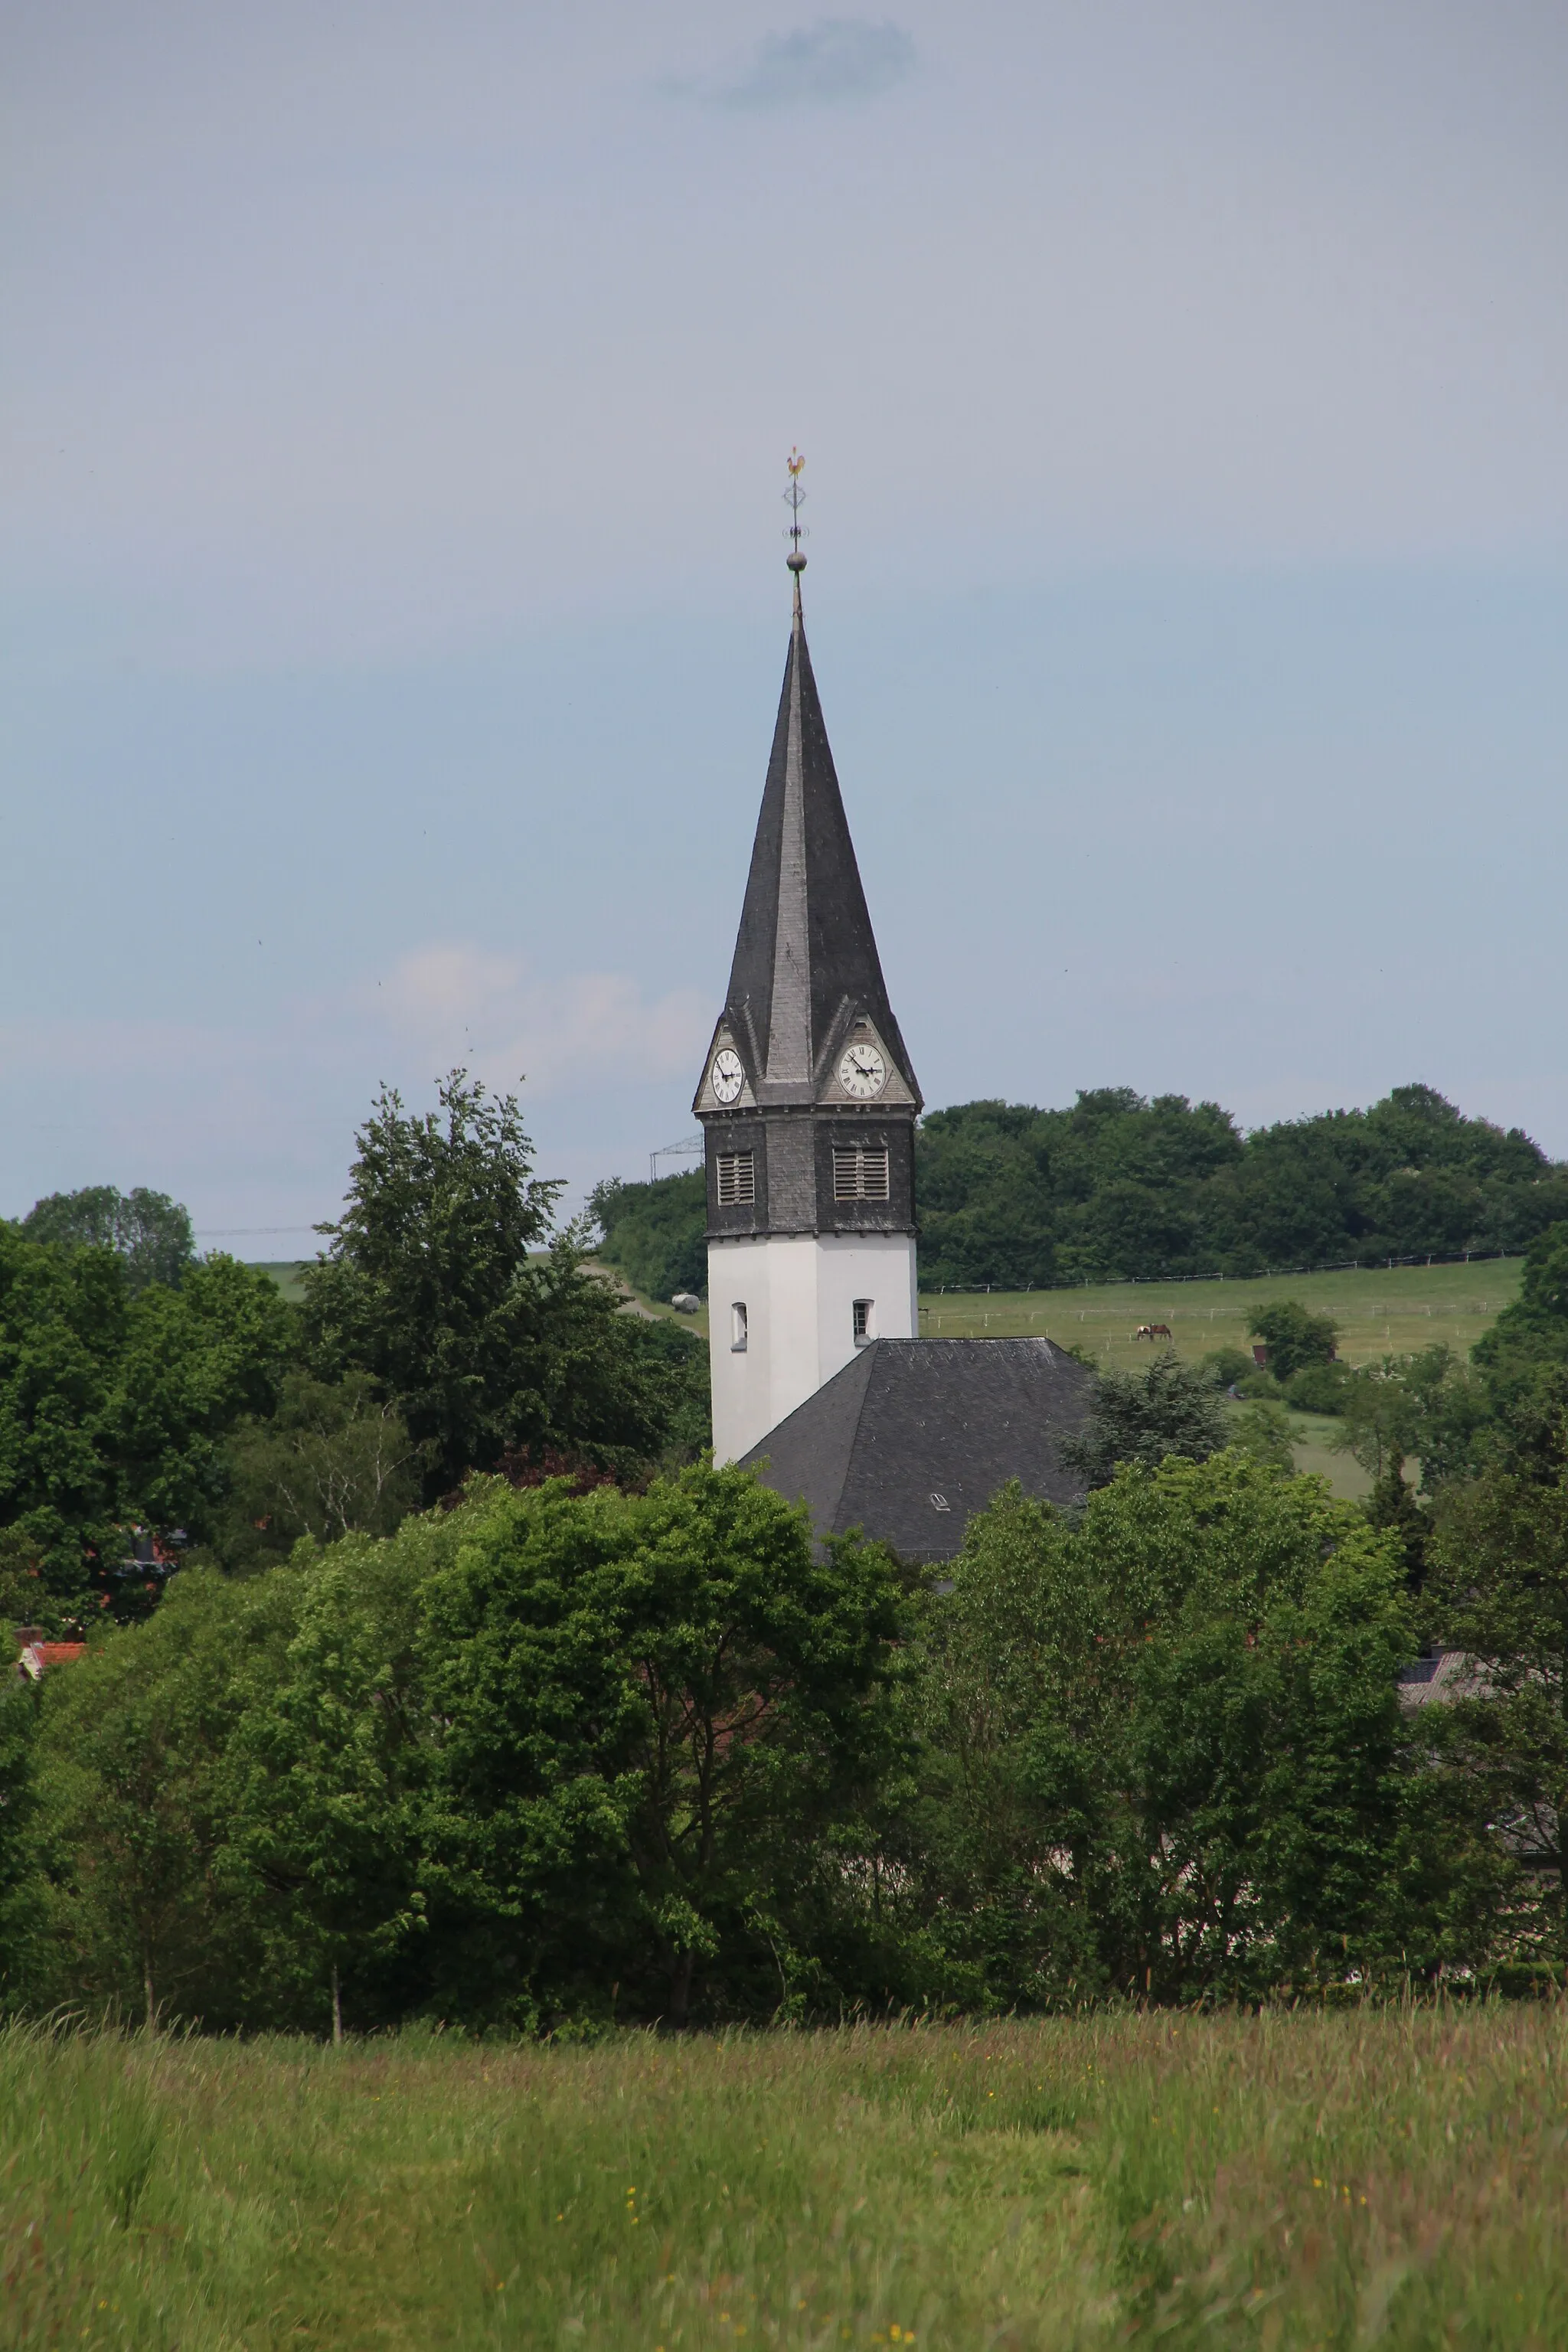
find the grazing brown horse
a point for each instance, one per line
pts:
(1154, 1331)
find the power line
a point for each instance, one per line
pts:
(232, 1233)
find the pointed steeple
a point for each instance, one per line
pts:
(806, 966)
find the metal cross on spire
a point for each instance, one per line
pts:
(794, 499)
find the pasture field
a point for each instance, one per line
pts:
(1384, 2176)
(1381, 1312)
(285, 1273)
(1395, 1311)
(1313, 1436)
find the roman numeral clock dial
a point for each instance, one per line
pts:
(862, 1073)
(727, 1075)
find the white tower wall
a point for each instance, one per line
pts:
(799, 1292)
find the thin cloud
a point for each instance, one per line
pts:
(568, 1035)
(837, 61)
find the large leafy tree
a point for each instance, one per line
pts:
(1296, 1337)
(655, 1708)
(148, 1230)
(1498, 1571)
(128, 1817)
(656, 1235)
(318, 1783)
(114, 1406)
(1168, 1409)
(333, 1459)
(444, 1282)
(1167, 1752)
(1523, 1359)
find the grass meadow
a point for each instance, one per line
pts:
(1392, 2177)
(1380, 1311)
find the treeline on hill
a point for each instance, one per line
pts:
(1121, 1187)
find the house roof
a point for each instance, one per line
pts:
(1441, 1676)
(38, 1656)
(914, 1435)
(805, 956)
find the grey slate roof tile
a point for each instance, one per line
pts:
(914, 1435)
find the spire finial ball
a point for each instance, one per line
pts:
(794, 499)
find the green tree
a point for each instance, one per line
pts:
(1295, 1337)
(18, 1890)
(1121, 1185)
(1392, 1506)
(1523, 1361)
(1168, 1409)
(1264, 1432)
(656, 1235)
(1197, 1778)
(318, 1786)
(1498, 1571)
(1427, 1407)
(114, 1408)
(130, 1819)
(150, 1232)
(437, 1284)
(330, 1461)
(654, 1708)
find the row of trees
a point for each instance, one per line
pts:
(1121, 1186)
(479, 1697)
(157, 1407)
(555, 1755)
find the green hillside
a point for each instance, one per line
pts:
(1119, 1187)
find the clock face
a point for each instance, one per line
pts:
(727, 1075)
(862, 1072)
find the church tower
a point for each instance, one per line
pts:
(808, 1103)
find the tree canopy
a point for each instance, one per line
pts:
(551, 1757)
(1169, 1409)
(115, 1406)
(148, 1230)
(655, 1233)
(443, 1281)
(1121, 1186)
(1117, 1185)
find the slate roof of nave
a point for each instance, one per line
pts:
(914, 1435)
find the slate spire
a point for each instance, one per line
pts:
(805, 964)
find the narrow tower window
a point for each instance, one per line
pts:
(737, 1180)
(865, 1325)
(738, 1328)
(860, 1171)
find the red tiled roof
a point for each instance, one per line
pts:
(38, 1657)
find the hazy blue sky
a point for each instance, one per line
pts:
(393, 421)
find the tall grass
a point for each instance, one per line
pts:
(1284, 2183)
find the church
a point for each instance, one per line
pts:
(808, 1101)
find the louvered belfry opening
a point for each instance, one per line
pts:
(737, 1180)
(860, 1171)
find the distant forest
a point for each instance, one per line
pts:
(1121, 1185)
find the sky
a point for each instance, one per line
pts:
(393, 420)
